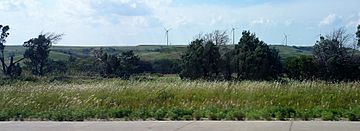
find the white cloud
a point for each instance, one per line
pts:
(134, 21)
(328, 20)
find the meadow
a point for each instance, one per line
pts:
(145, 52)
(169, 98)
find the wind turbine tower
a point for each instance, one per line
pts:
(233, 35)
(286, 39)
(167, 35)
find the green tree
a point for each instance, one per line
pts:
(38, 50)
(301, 68)
(129, 64)
(330, 55)
(226, 64)
(336, 62)
(3, 36)
(166, 66)
(211, 60)
(201, 60)
(254, 60)
(110, 64)
(192, 67)
(13, 69)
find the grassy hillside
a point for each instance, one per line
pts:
(145, 52)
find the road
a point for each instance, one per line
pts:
(182, 126)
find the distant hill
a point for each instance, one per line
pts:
(145, 52)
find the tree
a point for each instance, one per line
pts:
(301, 68)
(335, 60)
(58, 67)
(226, 64)
(217, 37)
(109, 64)
(329, 54)
(211, 60)
(38, 50)
(192, 67)
(129, 63)
(358, 34)
(4, 35)
(254, 60)
(13, 69)
(124, 65)
(166, 66)
(201, 60)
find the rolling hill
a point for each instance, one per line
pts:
(145, 52)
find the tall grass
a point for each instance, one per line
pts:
(169, 98)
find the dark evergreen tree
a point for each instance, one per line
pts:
(211, 60)
(226, 64)
(192, 61)
(254, 60)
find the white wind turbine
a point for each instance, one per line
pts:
(167, 35)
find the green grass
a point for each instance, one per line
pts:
(145, 52)
(169, 98)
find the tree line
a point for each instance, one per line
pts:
(36, 60)
(207, 57)
(333, 59)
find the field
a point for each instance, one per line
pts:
(145, 52)
(169, 98)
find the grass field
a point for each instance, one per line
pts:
(145, 52)
(169, 98)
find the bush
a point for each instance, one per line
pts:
(301, 68)
(160, 114)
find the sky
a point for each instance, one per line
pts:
(142, 22)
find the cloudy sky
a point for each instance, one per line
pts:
(134, 22)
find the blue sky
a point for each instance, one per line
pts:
(134, 22)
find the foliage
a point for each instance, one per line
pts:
(301, 68)
(123, 66)
(192, 61)
(57, 67)
(166, 98)
(227, 63)
(335, 61)
(3, 36)
(254, 60)
(201, 60)
(217, 37)
(38, 50)
(129, 63)
(13, 69)
(166, 66)
(211, 60)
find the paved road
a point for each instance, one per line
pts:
(181, 126)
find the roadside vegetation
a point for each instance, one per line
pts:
(169, 98)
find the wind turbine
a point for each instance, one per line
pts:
(286, 36)
(233, 29)
(167, 35)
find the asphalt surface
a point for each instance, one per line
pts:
(182, 126)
